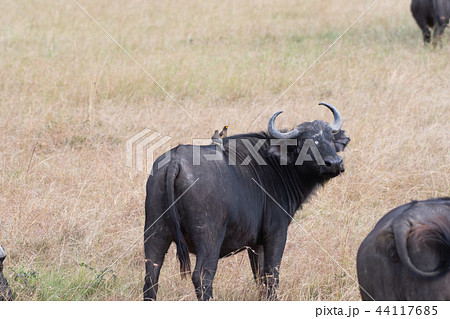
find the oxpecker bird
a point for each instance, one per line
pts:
(223, 133)
(216, 139)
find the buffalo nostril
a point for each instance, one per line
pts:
(333, 162)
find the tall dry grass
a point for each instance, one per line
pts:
(70, 98)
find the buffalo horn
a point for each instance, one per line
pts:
(337, 124)
(275, 133)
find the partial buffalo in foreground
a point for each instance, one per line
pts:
(244, 198)
(5, 292)
(431, 13)
(407, 254)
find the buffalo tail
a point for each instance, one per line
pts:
(182, 250)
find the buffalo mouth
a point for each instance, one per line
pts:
(328, 172)
(329, 175)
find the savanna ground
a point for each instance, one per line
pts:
(72, 212)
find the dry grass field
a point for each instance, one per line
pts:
(72, 212)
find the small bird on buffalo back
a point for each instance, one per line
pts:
(223, 133)
(216, 139)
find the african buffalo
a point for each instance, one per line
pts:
(407, 254)
(431, 13)
(243, 199)
(5, 292)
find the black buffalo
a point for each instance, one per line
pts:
(407, 254)
(431, 13)
(5, 292)
(215, 208)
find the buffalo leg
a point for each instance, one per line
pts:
(203, 276)
(207, 247)
(5, 292)
(256, 257)
(422, 23)
(437, 33)
(426, 35)
(155, 250)
(273, 252)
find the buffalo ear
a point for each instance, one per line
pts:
(274, 150)
(340, 140)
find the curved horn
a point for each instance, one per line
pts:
(273, 132)
(2, 254)
(337, 124)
